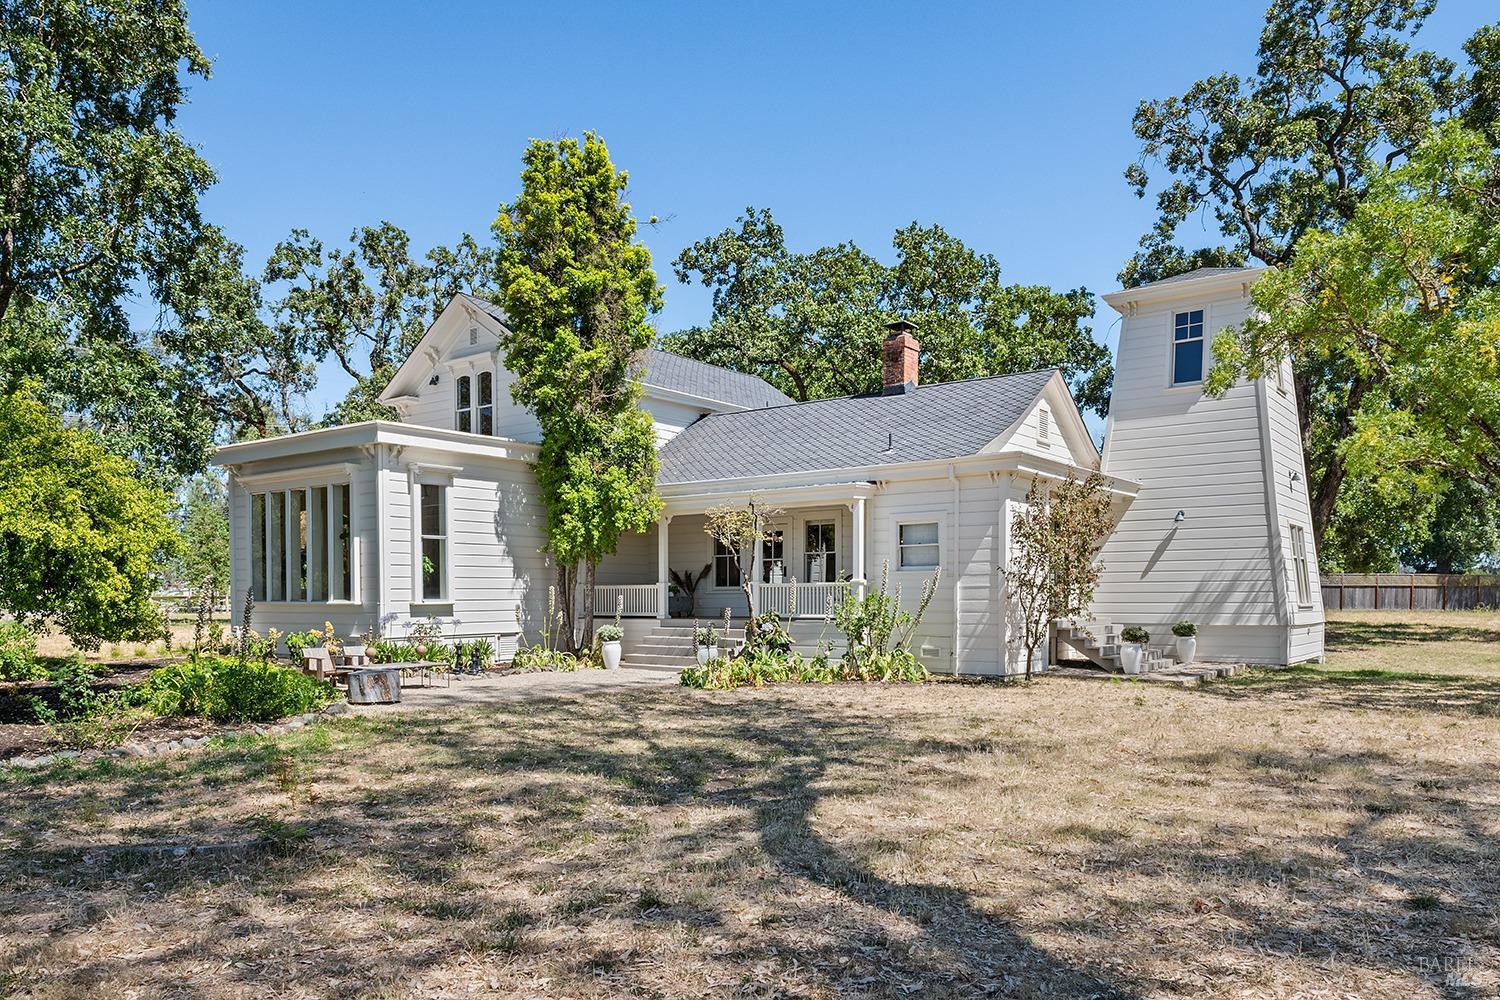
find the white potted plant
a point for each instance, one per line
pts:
(1133, 641)
(706, 641)
(609, 645)
(1187, 641)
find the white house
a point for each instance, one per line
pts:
(384, 523)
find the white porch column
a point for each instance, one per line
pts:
(663, 571)
(858, 543)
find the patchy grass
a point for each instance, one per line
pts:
(1066, 838)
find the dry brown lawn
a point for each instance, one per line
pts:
(1314, 833)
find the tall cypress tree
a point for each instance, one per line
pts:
(577, 289)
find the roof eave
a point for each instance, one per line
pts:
(1189, 289)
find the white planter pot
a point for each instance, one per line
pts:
(1131, 654)
(1187, 648)
(706, 653)
(611, 653)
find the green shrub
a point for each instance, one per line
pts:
(1134, 633)
(296, 642)
(229, 690)
(767, 634)
(82, 718)
(387, 651)
(1184, 630)
(18, 654)
(609, 633)
(762, 667)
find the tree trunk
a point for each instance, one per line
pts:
(563, 631)
(591, 572)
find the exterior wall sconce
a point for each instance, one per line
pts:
(1181, 516)
(433, 380)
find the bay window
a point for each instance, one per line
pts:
(300, 544)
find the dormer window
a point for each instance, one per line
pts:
(464, 403)
(1187, 348)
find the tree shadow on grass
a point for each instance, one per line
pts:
(574, 787)
(1344, 635)
(1378, 690)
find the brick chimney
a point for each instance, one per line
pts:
(901, 352)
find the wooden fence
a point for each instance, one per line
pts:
(1409, 591)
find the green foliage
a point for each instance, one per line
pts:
(1289, 150)
(812, 324)
(1184, 630)
(386, 651)
(203, 552)
(578, 287)
(766, 633)
(296, 642)
(364, 306)
(540, 657)
(1134, 633)
(1339, 96)
(233, 690)
(764, 667)
(877, 629)
(483, 647)
(18, 654)
(80, 536)
(79, 717)
(1403, 301)
(610, 633)
(704, 635)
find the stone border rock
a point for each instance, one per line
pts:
(337, 709)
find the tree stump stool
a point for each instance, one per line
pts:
(375, 686)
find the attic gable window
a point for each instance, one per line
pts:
(1187, 347)
(463, 403)
(1043, 426)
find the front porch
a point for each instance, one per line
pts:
(814, 557)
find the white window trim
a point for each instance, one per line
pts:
(286, 484)
(1301, 565)
(936, 520)
(431, 475)
(808, 522)
(1172, 343)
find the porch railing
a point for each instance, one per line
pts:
(641, 600)
(800, 600)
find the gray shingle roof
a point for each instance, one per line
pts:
(945, 420)
(698, 378)
(676, 373)
(1200, 272)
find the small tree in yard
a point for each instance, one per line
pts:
(740, 530)
(1054, 541)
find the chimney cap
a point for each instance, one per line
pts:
(900, 326)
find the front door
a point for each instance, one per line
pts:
(821, 554)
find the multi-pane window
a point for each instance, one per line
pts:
(300, 544)
(819, 558)
(434, 522)
(772, 554)
(918, 545)
(464, 403)
(1187, 347)
(1299, 562)
(486, 407)
(724, 574)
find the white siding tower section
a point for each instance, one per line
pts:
(1208, 538)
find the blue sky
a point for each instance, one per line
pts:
(1009, 124)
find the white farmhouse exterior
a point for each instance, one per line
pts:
(381, 524)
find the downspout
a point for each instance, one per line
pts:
(953, 550)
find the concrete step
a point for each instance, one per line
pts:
(665, 668)
(639, 659)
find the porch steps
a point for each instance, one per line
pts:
(1101, 644)
(670, 647)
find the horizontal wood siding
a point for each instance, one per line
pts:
(922, 500)
(1203, 457)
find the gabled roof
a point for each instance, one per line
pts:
(665, 370)
(944, 420)
(1197, 272)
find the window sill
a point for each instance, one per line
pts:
(432, 604)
